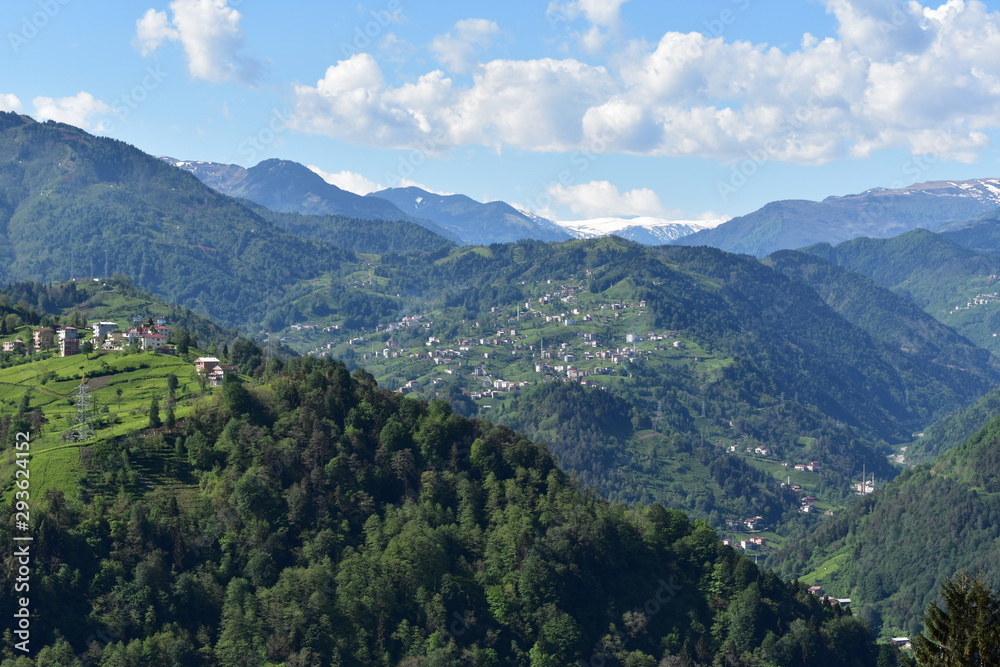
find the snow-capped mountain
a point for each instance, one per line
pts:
(642, 229)
(289, 187)
(876, 213)
(472, 221)
(983, 190)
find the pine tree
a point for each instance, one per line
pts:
(967, 632)
(154, 413)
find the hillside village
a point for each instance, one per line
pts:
(561, 333)
(141, 335)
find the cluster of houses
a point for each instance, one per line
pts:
(214, 370)
(753, 524)
(472, 351)
(818, 591)
(765, 451)
(759, 450)
(749, 544)
(978, 300)
(67, 339)
(147, 337)
(105, 336)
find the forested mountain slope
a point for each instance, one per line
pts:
(356, 234)
(337, 523)
(952, 283)
(891, 552)
(73, 205)
(875, 213)
(702, 356)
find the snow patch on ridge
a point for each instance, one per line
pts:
(644, 229)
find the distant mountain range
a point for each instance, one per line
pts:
(73, 205)
(878, 213)
(470, 221)
(642, 229)
(289, 187)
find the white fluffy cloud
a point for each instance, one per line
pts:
(881, 28)
(395, 48)
(896, 75)
(598, 199)
(604, 17)
(152, 30)
(516, 103)
(361, 185)
(76, 110)
(209, 32)
(348, 180)
(456, 50)
(10, 103)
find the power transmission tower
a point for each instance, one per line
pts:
(82, 430)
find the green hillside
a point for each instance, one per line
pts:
(41, 398)
(116, 299)
(981, 235)
(73, 205)
(335, 523)
(911, 337)
(38, 393)
(952, 283)
(891, 552)
(701, 356)
(954, 429)
(356, 234)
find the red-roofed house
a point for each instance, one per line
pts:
(206, 364)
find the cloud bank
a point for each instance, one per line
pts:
(896, 75)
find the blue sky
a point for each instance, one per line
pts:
(572, 108)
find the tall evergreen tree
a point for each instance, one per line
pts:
(967, 632)
(154, 413)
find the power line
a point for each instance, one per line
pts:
(82, 429)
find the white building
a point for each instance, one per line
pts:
(102, 329)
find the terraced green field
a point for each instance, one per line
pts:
(121, 389)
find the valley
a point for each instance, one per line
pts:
(532, 334)
(752, 395)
